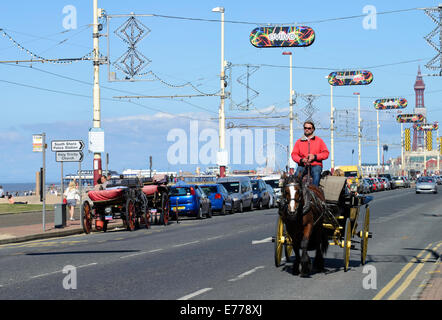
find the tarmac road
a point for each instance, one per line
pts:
(229, 257)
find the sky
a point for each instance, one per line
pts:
(183, 47)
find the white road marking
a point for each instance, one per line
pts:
(50, 273)
(156, 250)
(242, 275)
(213, 238)
(132, 255)
(196, 293)
(269, 239)
(185, 244)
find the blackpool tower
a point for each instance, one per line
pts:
(419, 88)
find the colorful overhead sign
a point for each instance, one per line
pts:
(271, 37)
(403, 118)
(390, 103)
(350, 78)
(426, 126)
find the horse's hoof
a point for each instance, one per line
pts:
(306, 269)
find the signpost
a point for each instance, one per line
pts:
(68, 151)
(39, 145)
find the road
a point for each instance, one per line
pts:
(227, 257)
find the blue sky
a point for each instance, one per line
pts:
(57, 99)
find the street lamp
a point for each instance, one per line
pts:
(222, 158)
(359, 127)
(287, 53)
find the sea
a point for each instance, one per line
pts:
(19, 189)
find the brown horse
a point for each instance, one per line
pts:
(301, 209)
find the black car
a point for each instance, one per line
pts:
(261, 196)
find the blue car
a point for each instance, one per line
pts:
(261, 196)
(189, 200)
(219, 198)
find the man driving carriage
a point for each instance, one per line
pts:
(310, 150)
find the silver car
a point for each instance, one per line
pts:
(426, 185)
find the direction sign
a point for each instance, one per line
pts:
(68, 156)
(67, 145)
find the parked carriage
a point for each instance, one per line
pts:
(135, 201)
(341, 220)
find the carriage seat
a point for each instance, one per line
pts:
(332, 187)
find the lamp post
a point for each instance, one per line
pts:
(287, 53)
(222, 154)
(332, 130)
(359, 128)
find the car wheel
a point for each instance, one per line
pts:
(209, 213)
(223, 210)
(232, 211)
(259, 205)
(241, 207)
(200, 213)
(251, 206)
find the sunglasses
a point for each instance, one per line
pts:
(308, 128)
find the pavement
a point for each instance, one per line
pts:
(29, 232)
(429, 289)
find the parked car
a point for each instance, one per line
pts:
(189, 200)
(371, 184)
(398, 182)
(379, 184)
(261, 197)
(220, 199)
(273, 181)
(240, 189)
(438, 180)
(365, 186)
(426, 184)
(272, 202)
(386, 183)
(407, 182)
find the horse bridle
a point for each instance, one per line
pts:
(292, 205)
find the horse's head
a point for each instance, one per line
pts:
(292, 193)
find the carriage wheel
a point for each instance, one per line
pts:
(279, 241)
(130, 215)
(164, 218)
(86, 217)
(347, 244)
(364, 238)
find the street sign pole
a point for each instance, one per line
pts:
(44, 180)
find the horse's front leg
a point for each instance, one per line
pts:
(306, 264)
(295, 269)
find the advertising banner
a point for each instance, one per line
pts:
(278, 37)
(390, 103)
(405, 118)
(350, 78)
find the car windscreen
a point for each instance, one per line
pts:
(351, 173)
(209, 189)
(425, 180)
(273, 183)
(231, 187)
(180, 191)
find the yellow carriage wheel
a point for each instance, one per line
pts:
(279, 241)
(364, 237)
(347, 244)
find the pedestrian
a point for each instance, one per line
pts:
(2, 192)
(310, 150)
(12, 201)
(72, 195)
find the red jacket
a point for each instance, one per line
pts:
(315, 145)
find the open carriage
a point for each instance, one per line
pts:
(135, 201)
(341, 220)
